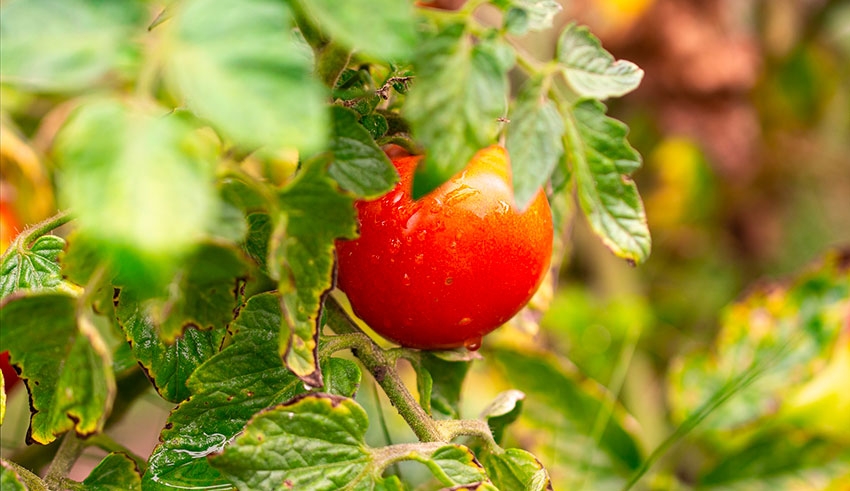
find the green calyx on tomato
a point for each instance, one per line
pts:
(443, 271)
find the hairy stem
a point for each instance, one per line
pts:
(29, 235)
(383, 370)
(69, 452)
(331, 57)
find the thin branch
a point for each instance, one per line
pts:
(383, 370)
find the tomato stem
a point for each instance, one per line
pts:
(382, 368)
(30, 234)
(69, 451)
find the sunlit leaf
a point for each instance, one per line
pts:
(34, 268)
(458, 96)
(517, 469)
(389, 35)
(359, 165)
(64, 363)
(530, 15)
(590, 70)
(602, 161)
(502, 411)
(774, 340)
(140, 184)
(244, 378)
(534, 142)
(68, 45)
(236, 63)
(314, 214)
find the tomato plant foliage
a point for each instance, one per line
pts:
(207, 158)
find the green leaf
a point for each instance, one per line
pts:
(260, 228)
(771, 342)
(206, 292)
(530, 15)
(517, 469)
(68, 45)
(458, 96)
(227, 390)
(314, 214)
(452, 465)
(375, 124)
(602, 162)
(316, 442)
(359, 165)
(9, 478)
(141, 185)
(237, 64)
(564, 402)
(203, 303)
(116, 472)
(590, 70)
(34, 268)
(439, 382)
(63, 360)
(534, 141)
(389, 35)
(502, 411)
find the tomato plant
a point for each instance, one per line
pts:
(444, 270)
(176, 318)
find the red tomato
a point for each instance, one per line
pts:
(10, 376)
(9, 228)
(443, 271)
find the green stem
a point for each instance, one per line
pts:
(25, 239)
(69, 452)
(453, 428)
(25, 476)
(383, 370)
(331, 57)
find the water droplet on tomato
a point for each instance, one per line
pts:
(374, 259)
(465, 321)
(397, 197)
(419, 259)
(439, 225)
(421, 235)
(405, 280)
(472, 344)
(436, 206)
(504, 207)
(449, 280)
(395, 245)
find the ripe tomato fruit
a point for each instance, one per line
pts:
(443, 271)
(10, 376)
(9, 228)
